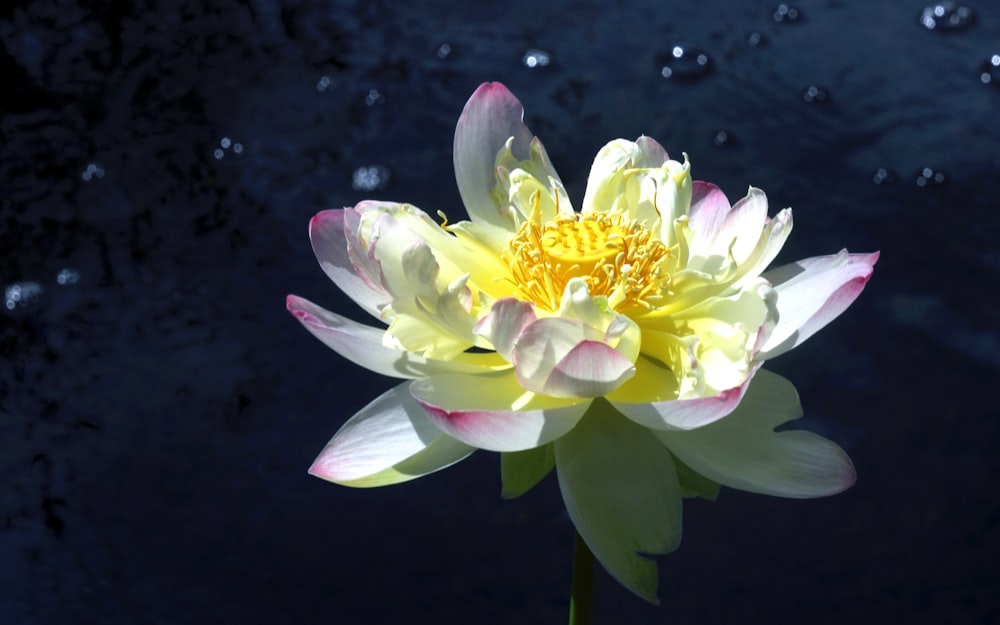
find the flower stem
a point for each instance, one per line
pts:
(583, 583)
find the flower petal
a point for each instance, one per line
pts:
(388, 441)
(493, 412)
(685, 414)
(743, 451)
(812, 293)
(329, 243)
(364, 346)
(521, 470)
(491, 117)
(503, 325)
(564, 358)
(622, 493)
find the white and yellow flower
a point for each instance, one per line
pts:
(616, 344)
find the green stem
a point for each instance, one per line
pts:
(583, 583)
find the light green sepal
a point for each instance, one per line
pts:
(694, 484)
(521, 470)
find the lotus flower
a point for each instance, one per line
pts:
(621, 344)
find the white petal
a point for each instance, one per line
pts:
(812, 293)
(493, 412)
(621, 491)
(503, 325)
(491, 117)
(388, 441)
(743, 451)
(364, 346)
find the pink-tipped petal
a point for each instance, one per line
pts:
(812, 293)
(709, 207)
(388, 441)
(743, 451)
(590, 369)
(362, 345)
(685, 414)
(622, 493)
(491, 116)
(493, 412)
(330, 244)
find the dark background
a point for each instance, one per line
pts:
(159, 162)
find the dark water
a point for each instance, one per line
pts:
(158, 407)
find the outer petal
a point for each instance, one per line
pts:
(491, 117)
(622, 493)
(363, 345)
(743, 451)
(812, 293)
(685, 414)
(329, 242)
(388, 441)
(493, 412)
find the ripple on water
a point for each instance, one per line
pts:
(684, 63)
(947, 17)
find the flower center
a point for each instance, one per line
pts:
(617, 257)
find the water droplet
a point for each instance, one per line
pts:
(815, 95)
(91, 171)
(756, 40)
(237, 148)
(536, 58)
(884, 175)
(218, 154)
(443, 51)
(946, 17)
(225, 143)
(989, 71)
(723, 139)
(370, 178)
(684, 63)
(324, 83)
(68, 275)
(929, 177)
(20, 295)
(374, 97)
(786, 14)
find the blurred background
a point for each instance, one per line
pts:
(159, 163)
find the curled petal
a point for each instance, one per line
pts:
(330, 244)
(363, 345)
(503, 325)
(812, 293)
(622, 493)
(684, 414)
(388, 441)
(493, 412)
(743, 451)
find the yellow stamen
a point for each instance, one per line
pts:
(618, 258)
